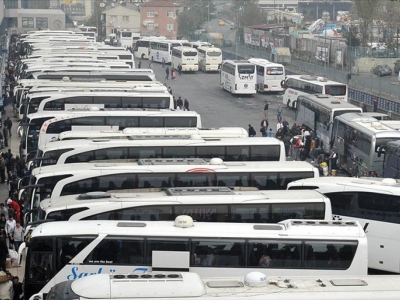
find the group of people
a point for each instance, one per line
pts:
(11, 288)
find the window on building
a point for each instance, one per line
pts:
(27, 22)
(151, 14)
(10, 4)
(150, 26)
(170, 27)
(113, 18)
(170, 14)
(42, 23)
(125, 18)
(12, 22)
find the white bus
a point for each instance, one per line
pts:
(317, 112)
(255, 285)
(360, 141)
(199, 44)
(141, 49)
(270, 76)
(160, 51)
(89, 29)
(374, 202)
(297, 85)
(59, 251)
(210, 58)
(101, 98)
(185, 56)
(48, 125)
(125, 38)
(110, 74)
(238, 77)
(69, 179)
(208, 204)
(136, 147)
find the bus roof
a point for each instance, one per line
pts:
(174, 165)
(263, 62)
(148, 141)
(329, 102)
(367, 184)
(332, 230)
(314, 79)
(183, 196)
(222, 132)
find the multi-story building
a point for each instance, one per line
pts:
(120, 17)
(159, 18)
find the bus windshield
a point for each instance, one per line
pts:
(189, 53)
(246, 69)
(214, 53)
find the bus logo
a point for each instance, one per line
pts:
(200, 170)
(246, 76)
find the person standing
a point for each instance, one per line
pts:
(297, 148)
(332, 160)
(167, 73)
(186, 105)
(375, 103)
(10, 227)
(252, 132)
(163, 62)
(313, 150)
(3, 252)
(279, 113)
(19, 234)
(173, 74)
(2, 169)
(266, 106)
(179, 103)
(180, 69)
(18, 289)
(279, 125)
(287, 143)
(169, 90)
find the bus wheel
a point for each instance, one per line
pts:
(288, 103)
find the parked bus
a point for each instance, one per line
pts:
(359, 141)
(270, 76)
(125, 38)
(374, 202)
(89, 29)
(298, 85)
(141, 49)
(185, 56)
(160, 133)
(160, 51)
(208, 204)
(210, 58)
(391, 163)
(69, 179)
(136, 147)
(55, 122)
(198, 44)
(59, 251)
(105, 98)
(317, 112)
(254, 285)
(238, 77)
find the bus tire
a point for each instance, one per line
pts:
(288, 103)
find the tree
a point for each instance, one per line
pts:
(188, 21)
(251, 15)
(391, 19)
(366, 11)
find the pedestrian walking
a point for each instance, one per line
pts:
(252, 132)
(266, 106)
(139, 64)
(180, 69)
(186, 105)
(332, 160)
(279, 113)
(173, 75)
(167, 73)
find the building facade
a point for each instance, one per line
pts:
(159, 18)
(122, 17)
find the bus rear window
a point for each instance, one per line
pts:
(214, 53)
(189, 53)
(274, 71)
(246, 69)
(335, 90)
